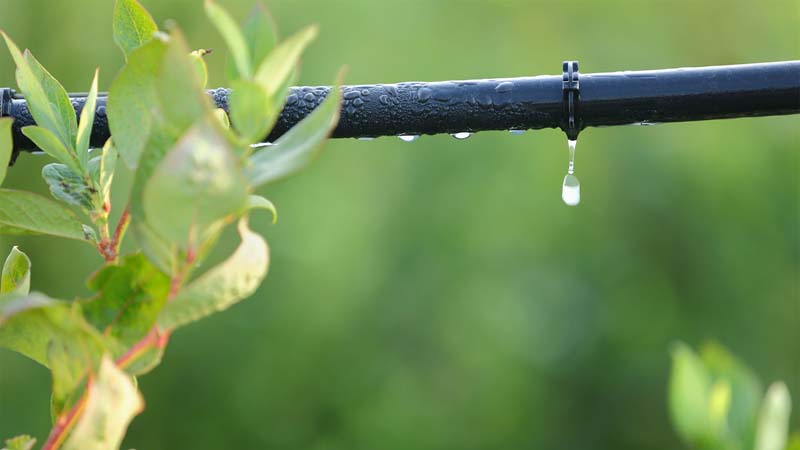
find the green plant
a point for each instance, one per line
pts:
(195, 174)
(718, 403)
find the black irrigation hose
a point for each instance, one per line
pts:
(589, 100)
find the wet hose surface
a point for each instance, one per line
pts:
(605, 99)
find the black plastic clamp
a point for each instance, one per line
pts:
(571, 88)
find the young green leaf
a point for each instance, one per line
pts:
(49, 143)
(128, 298)
(261, 36)
(29, 323)
(259, 202)
(47, 100)
(133, 26)
(16, 275)
(132, 98)
(224, 285)
(23, 442)
(68, 186)
(86, 123)
(6, 146)
(232, 34)
(251, 111)
(112, 402)
(689, 388)
(281, 62)
(746, 390)
(182, 101)
(33, 213)
(107, 167)
(299, 146)
(156, 247)
(197, 184)
(773, 420)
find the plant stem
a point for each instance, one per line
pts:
(156, 339)
(119, 232)
(65, 423)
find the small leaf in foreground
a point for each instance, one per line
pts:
(689, 387)
(111, 404)
(133, 25)
(32, 213)
(23, 442)
(222, 286)
(198, 182)
(773, 420)
(232, 35)
(68, 186)
(128, 298)
(252, 115)
(299, 146)
(281, 62)
(86, 123)
(16, 275)
(260, 33)
(6, 146)
(259, 202)
(131, 100)
(49, 143)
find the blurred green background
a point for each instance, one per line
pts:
(438, 294)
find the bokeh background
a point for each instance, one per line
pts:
(438, 294)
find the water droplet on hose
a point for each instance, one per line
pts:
(408, 137)
(462, 135)
(571, 188)
(516, 132)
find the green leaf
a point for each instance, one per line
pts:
(30, 212)
(86, 123)
(182, 100)
(54, 334)
(68, 186)
(107, 167)
(16, 276)
(132, 98)
(197, 184)
(47, 100)
(299, 146)
(261, 36)
(6, 146)
(155, 247)
(133, 26)
(221, 287)
(746, 390)
(23, 442)
(49, 143)
(112, 403)
(128, 298)
(232, 34)
(28, 324)
(773, 420)
(259, 202)
(251, 110)
(689, 388)
(281, 62)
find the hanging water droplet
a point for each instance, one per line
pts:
(462, 135)
(408, 137)
(366, 138)
(516, 132)
(571, 189)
